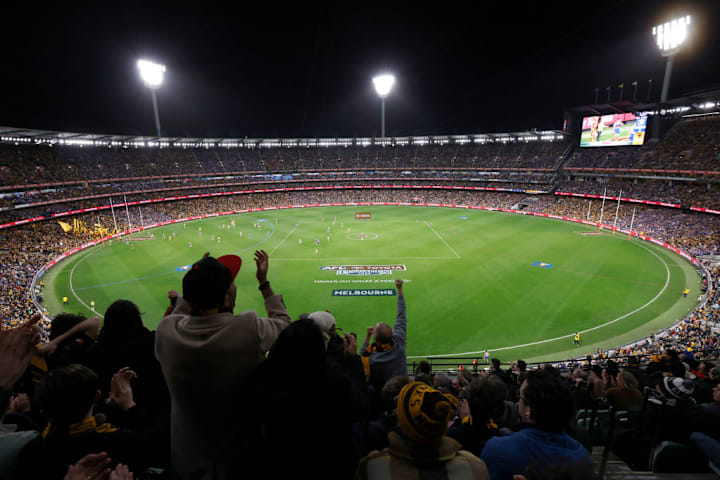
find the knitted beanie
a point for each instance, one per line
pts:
(423, 412)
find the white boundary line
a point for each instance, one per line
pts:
(443, 240)
(283, 240)
(71, 282)
(340, 259)
(667, 282)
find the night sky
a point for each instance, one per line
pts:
(298, 69)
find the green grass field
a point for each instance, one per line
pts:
(470, 280)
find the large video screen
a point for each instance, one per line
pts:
(613, 130)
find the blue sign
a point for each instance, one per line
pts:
(542, 264)
(184, 268)
(370, 292)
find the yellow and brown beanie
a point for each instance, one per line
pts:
(423, 412)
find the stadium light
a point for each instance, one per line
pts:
(669, 38)
(383, 85)
(152, 75)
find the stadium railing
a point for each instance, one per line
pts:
(451, 365)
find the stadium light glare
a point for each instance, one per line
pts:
(383, 84)
(671, 35)
(151, 73)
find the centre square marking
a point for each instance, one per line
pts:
(362, 236)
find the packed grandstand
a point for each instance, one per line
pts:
(647, 401)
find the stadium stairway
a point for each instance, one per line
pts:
(616, 469)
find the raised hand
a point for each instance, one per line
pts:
(350, 342)
(121, 394)
(121, 472)
(17, 347)
(261, 261)
(92, 466)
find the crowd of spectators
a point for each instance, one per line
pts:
(217, 394)
(688, 194)
(20, 165)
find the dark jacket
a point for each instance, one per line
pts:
(139, 448)
(137, 351)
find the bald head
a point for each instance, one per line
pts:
(383, 333)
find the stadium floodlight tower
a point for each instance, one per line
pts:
(152, 74)
(383, 84)
(669, 37)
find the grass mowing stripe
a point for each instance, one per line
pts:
(667, 281)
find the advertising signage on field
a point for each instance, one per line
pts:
(615, 130)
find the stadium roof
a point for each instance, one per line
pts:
(17, 136)
(701, 102)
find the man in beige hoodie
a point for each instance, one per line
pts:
(206, 352)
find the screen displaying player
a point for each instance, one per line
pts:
(614, 130)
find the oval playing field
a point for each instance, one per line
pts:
(517, 285)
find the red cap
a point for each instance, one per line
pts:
(232, 262)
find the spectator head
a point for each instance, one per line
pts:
(301, 344)
(425, 378)
(64, 322)
(579, 374)
(546, 401)
(392, 388)
(716, 394)
(678, 369)
(325, 321)
(715, 374)
(670, 355)
(486, 398)
(627, 380)
(207, 283)
(675, 388)
(424, 413)
(66, 394)
(522, 365)
(424, 367)
(612, 368)
(383, 333)
(596, 370)
(704, 367)
(122, 317)
(495, 363)
(442, 380)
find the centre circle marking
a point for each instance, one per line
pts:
(362, 236)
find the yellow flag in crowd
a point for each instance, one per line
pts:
(65, 226)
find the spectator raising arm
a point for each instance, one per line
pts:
(400, 328)
(89, 327)
(17, 347)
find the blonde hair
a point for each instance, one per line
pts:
(629, 380)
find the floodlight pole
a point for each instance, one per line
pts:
(157, 112)
(663, 94)
(382, 117)
(666, 80)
